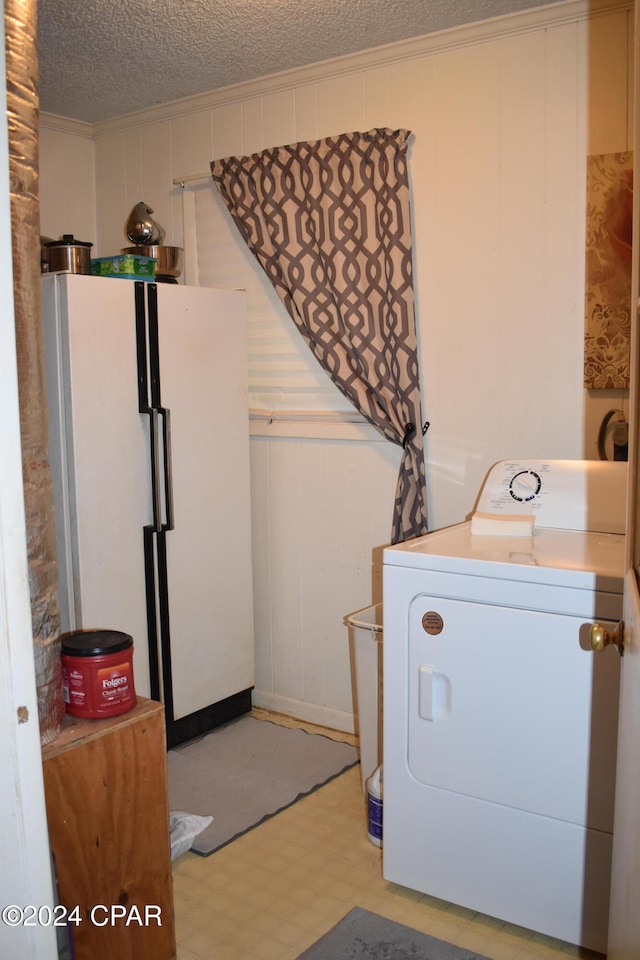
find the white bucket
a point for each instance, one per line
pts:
(365, 628)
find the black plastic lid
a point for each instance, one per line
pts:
(95, 643)
(68, 240)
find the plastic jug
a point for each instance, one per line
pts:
(374, 807)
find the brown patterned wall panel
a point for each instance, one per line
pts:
(608, 271)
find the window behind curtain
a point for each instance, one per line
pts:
(283, 374)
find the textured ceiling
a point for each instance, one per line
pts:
(100, 59)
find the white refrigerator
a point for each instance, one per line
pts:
(149, 452)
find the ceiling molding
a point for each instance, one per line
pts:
(567, 11)
(78, 128)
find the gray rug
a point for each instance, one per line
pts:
(246, 771)
(362, 935)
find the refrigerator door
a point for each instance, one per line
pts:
(98, 447)
(201, 340)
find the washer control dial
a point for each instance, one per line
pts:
(525, 485)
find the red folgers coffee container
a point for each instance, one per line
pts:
(97, 673)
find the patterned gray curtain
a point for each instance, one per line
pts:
(329, 222)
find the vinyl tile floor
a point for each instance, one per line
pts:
(273, 892)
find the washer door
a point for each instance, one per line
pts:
(505, 706)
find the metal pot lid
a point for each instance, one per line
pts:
(68, 240)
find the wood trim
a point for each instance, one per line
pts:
(304, 710)
(78, 128)
(317, 431)
(76, 730)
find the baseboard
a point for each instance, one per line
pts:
(202, 721)
(302, 710)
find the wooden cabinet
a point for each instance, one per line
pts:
(107, 809)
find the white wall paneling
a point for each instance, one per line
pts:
(278, 118)
(227, 130)
(113, 157)
(192, 141)
(67, 182)
(377, 111)
(319, 509)
(305, 113)
(604, 65)
(252, 137)
(503, 115)
(521, 214)
(156, 155)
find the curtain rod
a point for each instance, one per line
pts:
(180, 181)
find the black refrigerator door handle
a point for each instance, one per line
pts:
(150, 530)
(155, 471)
(156, 400)
(168, 468)
(146, 402)
(161, 609)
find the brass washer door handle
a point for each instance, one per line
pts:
(601, 637)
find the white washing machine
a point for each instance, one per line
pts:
(500, 723)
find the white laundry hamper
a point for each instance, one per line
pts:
(365, 637)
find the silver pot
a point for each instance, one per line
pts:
(141, 227)
(169, 260)
(69, 254)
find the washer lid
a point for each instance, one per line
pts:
(593, 561)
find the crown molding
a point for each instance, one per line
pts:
(556, 14)
(78, 128)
